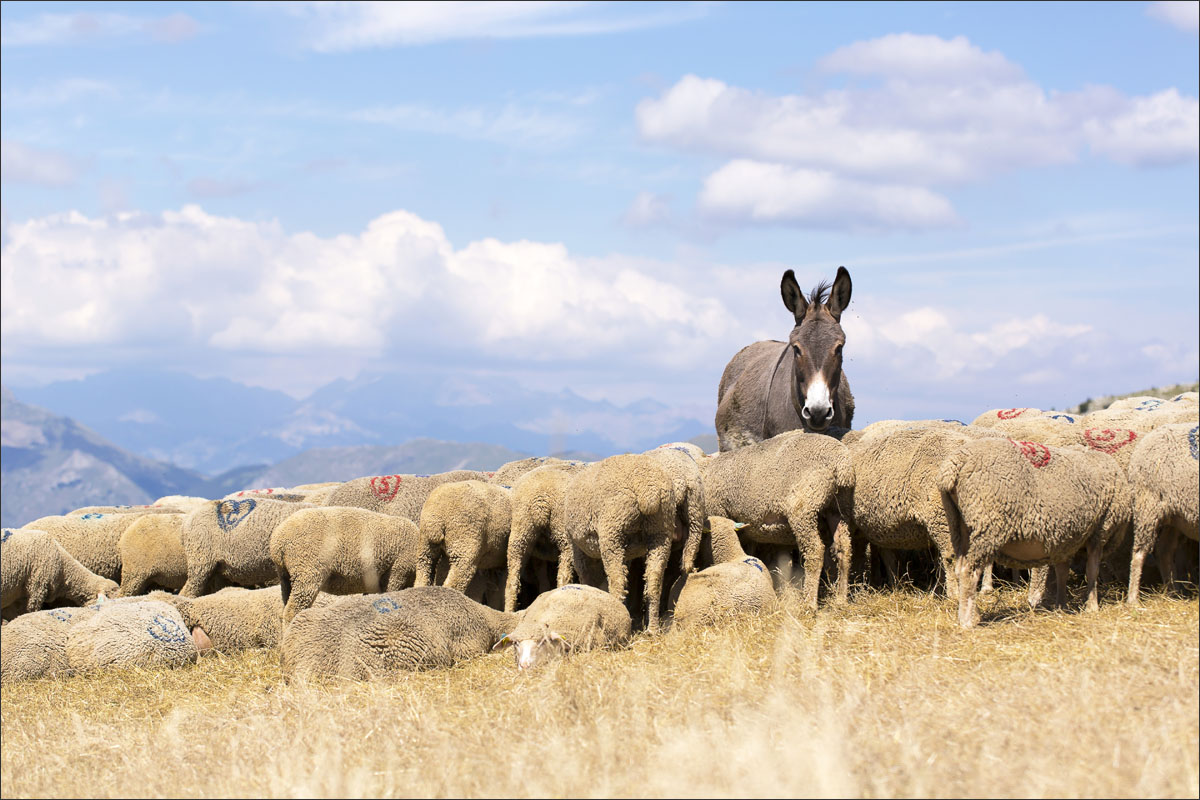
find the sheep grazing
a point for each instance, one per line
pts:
(230, 540)
(1165, 478)
(376, 636)
(399, 495)
(682, 462)
(342, 550)
(469, 521)
(896, 503)
(1026, 504)
(151, 551)
(234, 618)
(735, 583)
(538, 525)
(36, 570)
(508, 474)
(141, 632)
(786, 488)
(35, 645)
(93, 538)
(617, 510)
(571, 618)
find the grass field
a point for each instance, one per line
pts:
(883, 697)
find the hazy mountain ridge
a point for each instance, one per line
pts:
(213, 424)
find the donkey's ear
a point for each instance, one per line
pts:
(793, 298)
(839, 296)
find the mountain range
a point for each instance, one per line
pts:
(214, 424)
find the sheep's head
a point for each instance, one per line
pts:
(534, 651)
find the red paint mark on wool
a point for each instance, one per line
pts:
(1010, 413)
(1107, 440)
(1035, 453)
(385, 486)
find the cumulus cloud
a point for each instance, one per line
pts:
(940, 112)
(61, 29)
(1182, 14)
(647, 208)
(189, 279)
(20, 163)
(357, 25)
(754, 191)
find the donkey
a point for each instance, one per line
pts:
(763, 392)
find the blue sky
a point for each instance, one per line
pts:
(603, 197)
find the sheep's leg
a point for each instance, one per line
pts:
(656, 566)
(304, 594)
(1037, 586)
(1061, 573)
(132, 584)
(614, 568)
(197, 579)
(462, 572)
(1094, 551)
(398, 578)
(1135, 576)
(986, 586)
(968, 581)
(841, 551)
(891, 565)
(518, 552)
(695, 519)
(1164, 554)
(586, 567)
(565, 572)
(812, 552)
(425, 566)
(37, 592)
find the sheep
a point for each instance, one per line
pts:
(93, 538)
(37, 570)
(320, 497)
(138, 632)
(571, 618)
(230, 540)
(896, 503)
(538, 525)
(151, 551)
(180, 502)
(785, 487)
(469, 521)
(272, 493)
(617, 510)
(401, 495)
(1166, 493)
(735, 583)
(342, 550)
(143, 509)
(995, 416)
(1187, 398)
(368, 636)
(682, 461)
(1026, 504)
(312, 487)
(234, 618)
(1142, 420)
(508, 474)
(35, 645)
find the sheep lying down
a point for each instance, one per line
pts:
(381, 635)
(570, 618)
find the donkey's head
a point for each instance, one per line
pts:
(816, 345)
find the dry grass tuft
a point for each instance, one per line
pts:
(884, 697)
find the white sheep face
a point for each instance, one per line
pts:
(531, 653)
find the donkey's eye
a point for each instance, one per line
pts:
(796, 350)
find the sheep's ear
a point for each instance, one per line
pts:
(793, 298)
(505, 641)
(737, 526)
(554, 637)
(839, 295)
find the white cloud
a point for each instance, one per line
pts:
(759, 192)
(943, 112)
(20, 163)
(647, 208)
(187, 280)
(511, 124)
(61, 29)
(1183, 14)
(342, 26)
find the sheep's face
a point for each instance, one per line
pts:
(531, 653)
(815, 346)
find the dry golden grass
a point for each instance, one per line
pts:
(884, 697)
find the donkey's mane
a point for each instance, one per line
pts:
(820, 293)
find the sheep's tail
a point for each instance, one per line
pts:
(947, 483)
(285, 584)
(651, 497)
(951, 468)
(843, 475)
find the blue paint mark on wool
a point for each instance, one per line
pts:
(572, 587)
(385, 605)
(955, 421)
(62, 614)
(230, 513)
(1147, 405)
(754, 562)
(1192, 442)
(7, 533)
(166, 629)
(1067, 417)
(92, 516)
